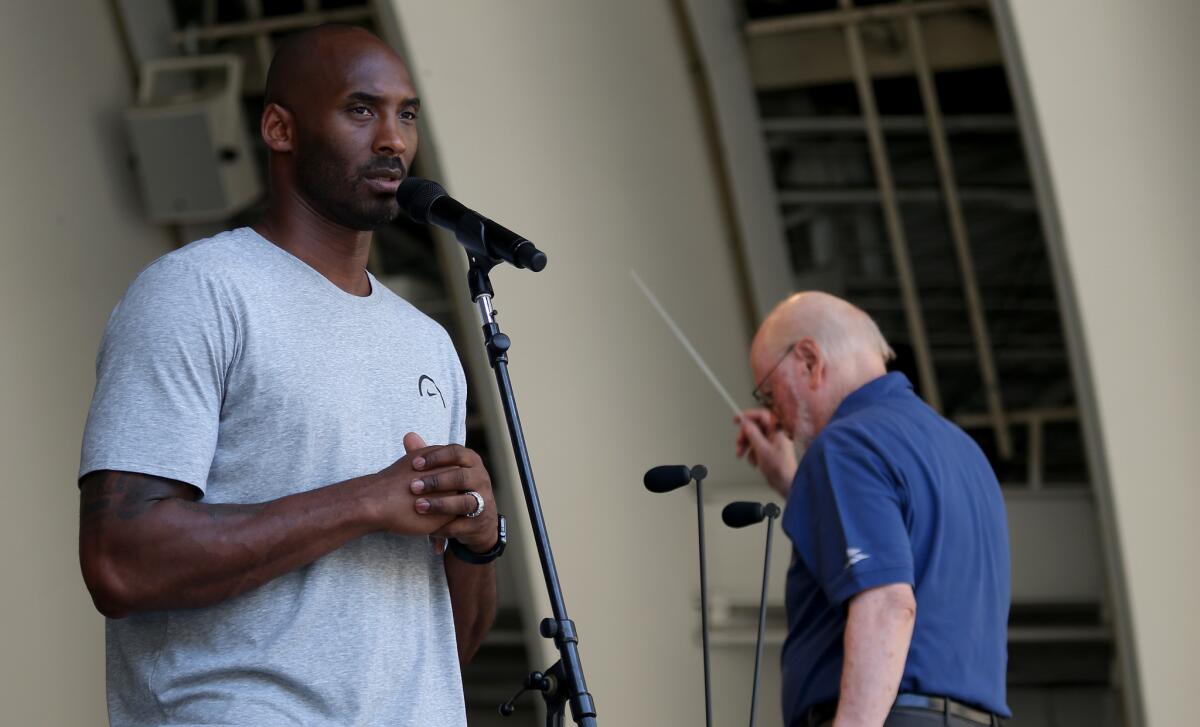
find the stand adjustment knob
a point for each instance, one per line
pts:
(560, 631)
(500, 342)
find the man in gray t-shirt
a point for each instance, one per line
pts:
(275, 437)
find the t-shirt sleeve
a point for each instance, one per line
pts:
(845, 517)
(160, 377)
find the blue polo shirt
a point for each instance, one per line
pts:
(890, 492)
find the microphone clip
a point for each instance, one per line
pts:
(535, 682)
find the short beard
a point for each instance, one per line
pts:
(340, 197)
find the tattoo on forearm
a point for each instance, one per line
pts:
(221, 512)
(125, 494)
(128, 495)
(93, 506)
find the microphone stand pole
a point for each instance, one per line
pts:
(563, 682)
(772, 511)
(699, 472)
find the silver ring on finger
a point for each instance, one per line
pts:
(478, 503)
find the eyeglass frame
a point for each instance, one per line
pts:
(765, 400)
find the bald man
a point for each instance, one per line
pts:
(273, 458)
(898, 591)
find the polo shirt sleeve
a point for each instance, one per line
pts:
(844, 516)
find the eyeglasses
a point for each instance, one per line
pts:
(766, 399)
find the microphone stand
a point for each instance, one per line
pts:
(771, 510)
(563, 682)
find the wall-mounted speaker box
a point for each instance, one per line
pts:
(190, 147)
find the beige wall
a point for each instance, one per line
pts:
(71, 239)
(1114, 101)
(576, 124)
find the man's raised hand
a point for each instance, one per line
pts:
(767, 447)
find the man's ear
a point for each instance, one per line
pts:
(277, 128)
(812, 358)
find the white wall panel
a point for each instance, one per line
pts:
(576, 124)
(71, 239)
(1112, 91)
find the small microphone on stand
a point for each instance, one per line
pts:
(739, 515)
(666, 478)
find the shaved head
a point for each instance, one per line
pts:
(312, 55)
(341, 123)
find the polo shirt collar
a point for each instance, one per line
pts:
(875, 390)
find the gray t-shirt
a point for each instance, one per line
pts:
(233, 366)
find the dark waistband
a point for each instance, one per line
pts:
(825, 712)
(946, 705)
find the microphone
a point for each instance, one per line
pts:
(666, 478)
(739, 515)
(427, 203)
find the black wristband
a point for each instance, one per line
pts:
(467, 555)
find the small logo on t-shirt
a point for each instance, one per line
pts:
(853, 556)
(428, 387)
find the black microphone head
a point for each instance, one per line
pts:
(417, 195)
(667, 477)
(741, 514)
(535, 260)
(699, 472)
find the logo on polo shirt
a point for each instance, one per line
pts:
(854, 556)
(426, 386)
